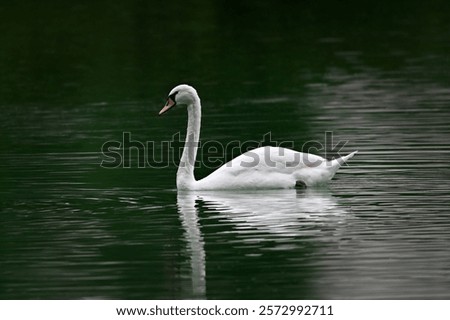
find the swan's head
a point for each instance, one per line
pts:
(180, 95)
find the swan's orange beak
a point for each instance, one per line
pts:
(169, 104)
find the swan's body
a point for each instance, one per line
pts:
(261, 168)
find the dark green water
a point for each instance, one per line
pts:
(74, 76)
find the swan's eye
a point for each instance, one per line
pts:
(172, 96)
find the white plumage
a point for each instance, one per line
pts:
(261, 168)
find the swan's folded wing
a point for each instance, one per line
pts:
(265, 167)
(270, 159)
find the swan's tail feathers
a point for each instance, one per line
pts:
(335, 164)
(349, 156)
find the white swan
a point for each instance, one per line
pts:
(261, 168)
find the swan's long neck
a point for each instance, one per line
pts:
(185, 174)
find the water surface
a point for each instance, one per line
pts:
(76, 76)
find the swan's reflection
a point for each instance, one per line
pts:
(257, 216)
(195, 243)
(275, 213)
